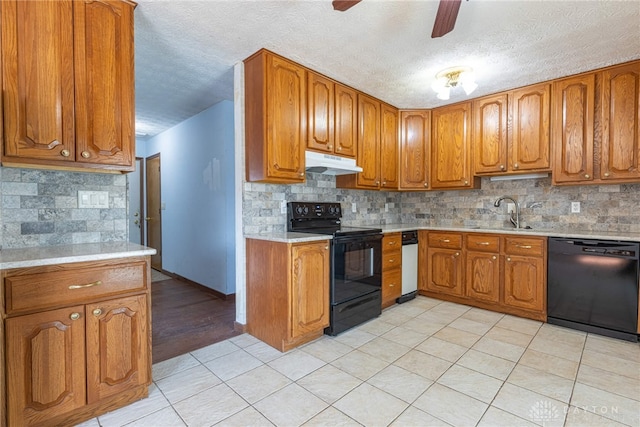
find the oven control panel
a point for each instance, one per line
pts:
(310, 210)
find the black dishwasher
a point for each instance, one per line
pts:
(592, 285)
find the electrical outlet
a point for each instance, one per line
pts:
(386, 207)
(283, 207)
(511, 207)
(575, 207)
(354, 209)
(93, 199)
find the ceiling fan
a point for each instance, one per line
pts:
(445, 18)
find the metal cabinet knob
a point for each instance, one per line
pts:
(85, 154)
(65, 153)
(494, 257)
(515, 166)
(509, 259)
(326, 247)
(606, 174)
(501, 167)
(457, 253)
(426, 184)
(339, 148)
(74, 316)
(301, 174)
(330, 147)
(466, 183)
(97, 312)
(587, 176)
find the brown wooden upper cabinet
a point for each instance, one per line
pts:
(275, 119)
(522, 146)
(451, 147)
(389, 147)
(77, 111)
(332, 116)
(415, 133)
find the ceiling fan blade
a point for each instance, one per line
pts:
(445, 18)
(343, 5)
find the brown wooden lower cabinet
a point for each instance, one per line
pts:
(287, 291)
(66, 363)
(391, 268)
(505, 273)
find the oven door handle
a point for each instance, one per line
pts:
(358, 303)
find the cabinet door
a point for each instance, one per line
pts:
(346, 121)
(529, 136)
(444, 271)
(309, 288)
(573, 113)
(37, 79)
(320, 113)
(414, 149)
(490, 134)
(368, 141)
(451, 147)
(45, 365)
(118, 346)
(103, 49)
(524, 282)
(483, 276)
(621, 122)
(389, 147)
(391, 286)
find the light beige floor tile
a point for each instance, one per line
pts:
(213, 351)
(471, 383)
(551, 364)
(401, 383)
(210, 406)
(166, 417)
(296, 364)
(376, 327)
(244, 340)
(155, 402)
(360, 365)
(611, 363)
(578, 417)
(326, 349)
(605, 404)
(457, 336)
(499, 349)
(258, 383)
(559, 333)
(384, 349)
(423, 364)
(483, 316)
(451, 406)
(394, 317)
(248, 417)
(354, 338)
(331, 417)
(544, 383)
(414, 417)
(404, 336)
(512, 337)
(423, 327)
(534, 407)
(408, 309)
(438, 317)
(93, 422)
(423, 302)
(470, 326)
(442, 349)
(487, 364)
(291, 406)
(329, 383)
(450, 308)
(172, 366)
(613, 347)
(187, 383)
(519, 324)
(263, 352)
(566, 350)
(495, 417)
(233, 364)
(608, 381)
(371, 406)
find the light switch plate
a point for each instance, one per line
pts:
(354, 209)
(93, 199)
(575, 207)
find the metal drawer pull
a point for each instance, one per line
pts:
(88, 285)
(392, 260)
(482, 243)
(524, 246)
(445, 240)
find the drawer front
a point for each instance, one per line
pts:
(525, 246)
(391, 260)
(445, 240)
(391, 284)
(392, 242)
(483, 243)
(72, 285)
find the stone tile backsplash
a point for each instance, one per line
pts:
(40, 208)
(603, 207)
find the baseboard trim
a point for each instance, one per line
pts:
(217, 294)
(239, 327)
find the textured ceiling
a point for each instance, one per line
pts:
(186, 50)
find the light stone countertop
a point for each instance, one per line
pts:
(63, 254)
(394, 228)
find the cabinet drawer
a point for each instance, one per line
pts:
(392, 242)
(524, 246)
(392, 283)
(71, 285)
(391, 260)
(445, 240)
(483, 243)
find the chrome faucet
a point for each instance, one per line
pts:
(515, 221)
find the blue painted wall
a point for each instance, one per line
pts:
(198, 220)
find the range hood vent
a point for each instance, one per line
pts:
(329, 164)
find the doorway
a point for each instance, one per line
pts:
(136, 198)
(154, 210)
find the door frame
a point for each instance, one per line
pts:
(140, 169)
(156, 260)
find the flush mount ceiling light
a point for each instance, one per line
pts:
(454, 77)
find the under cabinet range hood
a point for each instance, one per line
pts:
(329, 164)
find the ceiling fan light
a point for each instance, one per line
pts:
(439, 84)
(443, 93)
(469, 86)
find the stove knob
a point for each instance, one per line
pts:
(299, 209)
(305, 210)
